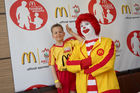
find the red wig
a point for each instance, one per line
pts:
(90, 18)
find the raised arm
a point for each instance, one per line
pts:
(69, 30)
(75, 63)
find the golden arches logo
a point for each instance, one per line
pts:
(32, 3)
(28, 56)
(126, 8)
(100, 52)
(63, 58)
(60, 11)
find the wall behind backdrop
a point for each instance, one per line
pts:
(29, 23)
(6, 78)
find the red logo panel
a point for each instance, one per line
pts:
(133, 42)
(28, 14)
(103, 10)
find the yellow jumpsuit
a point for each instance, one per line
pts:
(102, 68)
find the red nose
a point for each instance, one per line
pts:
(84, 27)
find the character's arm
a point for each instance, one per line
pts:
(106, 63)
(17, 14)
(75, 64)
(69, 30)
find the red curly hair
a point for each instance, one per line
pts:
(90, 18)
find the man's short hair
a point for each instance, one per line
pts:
(56, 25)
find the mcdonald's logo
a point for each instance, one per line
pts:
(64, 57)
(28, 56)
(32, 3)
(60, 12)
(126, 8)
(100, 52)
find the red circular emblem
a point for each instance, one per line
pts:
(103, 10)
(100, 52)
(28, 14)
(133, 42)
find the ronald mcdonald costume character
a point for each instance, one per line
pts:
(93, 60)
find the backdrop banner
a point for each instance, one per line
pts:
(29, 29)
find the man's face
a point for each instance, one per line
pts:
(87, 29)
(58, 34)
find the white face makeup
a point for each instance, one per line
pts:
(87, 30)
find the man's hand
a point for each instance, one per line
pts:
(58, 85)
(69, 30)
(85, 63)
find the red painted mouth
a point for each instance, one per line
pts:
(86, 31)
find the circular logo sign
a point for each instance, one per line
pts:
(103, 10)
(28, 14)
(133, 42)
(100, 52)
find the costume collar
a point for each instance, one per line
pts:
(99, 38)
(93, 40)
(59, 45)
(95, 46)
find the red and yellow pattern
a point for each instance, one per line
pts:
(102, 67)
(58, 54)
